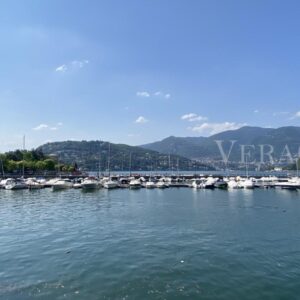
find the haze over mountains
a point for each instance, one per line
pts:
(206, 148)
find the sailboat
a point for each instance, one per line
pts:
(108, 183)
(150, 184)
(247, 183)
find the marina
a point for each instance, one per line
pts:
(151, 182)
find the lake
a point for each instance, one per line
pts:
(176, 243)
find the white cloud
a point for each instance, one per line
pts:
(143, 94)
(213, 128)
(41, 127)
(161, 94)
(63, 68)
(44, 126)
(73, 65)
(157, 94)
(141, 120)
(192, 117)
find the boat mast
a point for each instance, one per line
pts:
(108, 160)
(99, 163)
(2, 167)
(130, 157)
(247, 175)
(23, 171)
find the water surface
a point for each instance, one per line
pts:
(150, 244)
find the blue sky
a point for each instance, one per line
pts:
(136, 71)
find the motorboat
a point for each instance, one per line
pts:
(51, 182)
(33, 184)
(150, 185)
(62, 184)
(110, 184)
(290, 184)
(161, 184)
(247, 183)
(233, 184)
(221, 184)
(266, 182)
(15, 184)
(209, 183)
(90, 183)
(135, 184)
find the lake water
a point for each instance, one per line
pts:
(150, 244)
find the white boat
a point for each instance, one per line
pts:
(247, 184)
(90, 184)
(110, 184)
(290, 184)
(161, 185)
(15, 184)
(266, 182)
(3, 182)
(135, 184)
(150, 185)
(77, 185)
(33, 184)
(233, 184)
(210, 183)
(62, 184)
(197, 184)
(51, 182)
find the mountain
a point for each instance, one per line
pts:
(206, 148)
(88, 154)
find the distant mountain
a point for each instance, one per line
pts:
(88, 154)
(206, 148)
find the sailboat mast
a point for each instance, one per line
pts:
(99, 164)
(130, 157)
(23, 171)
(2, 167)
(247, 175)
(108, 161)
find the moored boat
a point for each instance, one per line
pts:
(135, 184)
(62, 184)
(90, 184)
(15, 184)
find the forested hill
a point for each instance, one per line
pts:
(94, 155)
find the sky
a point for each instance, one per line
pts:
(137, 71)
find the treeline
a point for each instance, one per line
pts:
(30, 161)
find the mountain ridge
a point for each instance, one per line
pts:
(206, 148)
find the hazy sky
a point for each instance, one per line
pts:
(135, 71)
